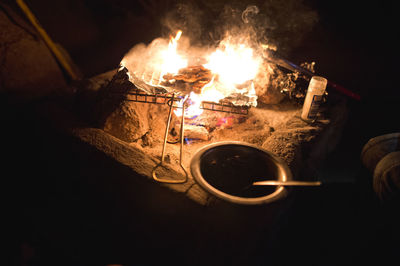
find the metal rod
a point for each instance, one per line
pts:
(205, 105)
(182, 140)
(167, 129)
(154, 174)
(62, 59)
(288, 183)
(137, 95)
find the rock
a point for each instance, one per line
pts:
(292, 145)
(267, 92)
(276, 128)
(133, 121)
(139, 161)
(28, 69)
(129, 122)
(271, 96)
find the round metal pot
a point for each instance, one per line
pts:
(228, 170)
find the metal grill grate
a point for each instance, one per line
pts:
(137, 95)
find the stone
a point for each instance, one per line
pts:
(129, 122)
(28, 69)
(267, 91)
(271, 96)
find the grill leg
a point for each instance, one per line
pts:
(161, 163)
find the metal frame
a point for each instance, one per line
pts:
(160, 164)
(138, 95)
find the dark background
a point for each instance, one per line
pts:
(55, 217)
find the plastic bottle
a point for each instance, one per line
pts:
(315, 92)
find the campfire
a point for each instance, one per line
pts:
(226, 73)
(170, 98)
(203, 95)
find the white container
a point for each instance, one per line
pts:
(315, 92)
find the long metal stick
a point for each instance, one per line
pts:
(154, 174)
(64, 62)
(287, 183)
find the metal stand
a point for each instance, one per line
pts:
(164, 180)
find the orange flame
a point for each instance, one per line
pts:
(235, 64)
(171, 60)
(232, 65)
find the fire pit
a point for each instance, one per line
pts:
(132, 133)
(165, 103)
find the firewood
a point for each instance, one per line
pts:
(196, 132)
(192, 132)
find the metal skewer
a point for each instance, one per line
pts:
(64, 61)
(172, 181)
(287, 183)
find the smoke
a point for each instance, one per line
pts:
(188, 18)
(282, 24)
(248, 14)
(276, 23)
(207, 25)
(291, 21)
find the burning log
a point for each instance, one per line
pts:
(192, 132)
(196, 132)
(193, 77)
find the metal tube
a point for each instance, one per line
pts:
(154, 174)
(74, 75)
(167, 128)
(287, 183)
(182, 132)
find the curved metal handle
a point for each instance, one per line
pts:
(170, 181)
(154, 174)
